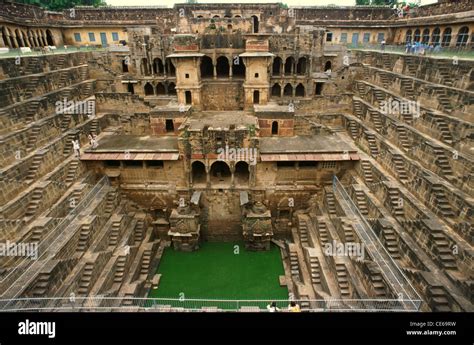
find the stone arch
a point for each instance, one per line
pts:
(238, 70)
(171, 89)
(425, 36)
(170, 69)
(207, 68)
(446, 37)
(408, 36)
(289, 65)
(327, 66)
(276, 90)
(220, 172)
(144, 67)
(276, 67)
(198, 172)
(148, 88)
(222, 66)
(49, 38)
(435, 36)
(463, 36)
(417, 35)
(160, 89)
(299, 91)
(158, 67)
(288, 90)
(275, 128)
(242, 173)
(254, 24)
(301, 66)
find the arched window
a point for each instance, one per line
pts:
(158, 67)
(276, 90)
(327, 66)
(148, 89)
(171, 70)
(220, 172)
(446, 37)
(222, 66)
(289, 65)
(275, 128)
(255, 24)
(417, 36)
(171, 89)
(408, 36)
(276, 68)
(426, 36)
(207, 69)
(288, 90)
(299, 92)
(238, 67)
(144, 66)
(160, 89)
(49, 38)
(301, 66)
(435, 36)
(241, 173)
(463, 36)
(198, 172)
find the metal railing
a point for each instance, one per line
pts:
(14, 52)
(466, 52)
(22, 272)
(124, 304)
(399, 283)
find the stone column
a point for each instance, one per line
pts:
(232, 175)
(215, 71)
(208, 176)
(230, 69)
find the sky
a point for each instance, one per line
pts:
(170, 3)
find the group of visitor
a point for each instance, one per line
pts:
(292, 307)
(419, 48)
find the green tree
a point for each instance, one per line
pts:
(362, 2)
(58, 5)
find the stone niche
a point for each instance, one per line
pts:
(257, 226)
(185, 228)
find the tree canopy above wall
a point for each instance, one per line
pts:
(58, 5)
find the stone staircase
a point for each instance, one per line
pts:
(353, 129)
(400, 167)
(72, 171)
(367, 171)
(443, 128)
(86, 279)
(94, 128)
(68, 145)
(374, 150)
(41, 286)
(342, 280)
(441, 201)
(35, 164)
(390, 241)
(32, 138)
(110, 203)
(443, 100)
(84, 236)
(114, 233)
(66, 121)
(348, 233)
(35, 199)
(396, 202)
(294, 265)
(379, 96)
(139, 231)
(303, 232)
(411, 65)
(445, 75)
(443, 163)
(120, 269)
(386, 62)
(315, 270)
(385, 80)
(361, 202)
(406, 86)
(376, 120)
(331, 204)
(358, 109)
(146, 261)
(438, 299)
(323, 233)
(403, 137)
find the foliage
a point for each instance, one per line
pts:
(58, 5)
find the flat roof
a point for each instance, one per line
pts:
(217, 120)
(305, 144)
(118, 143)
